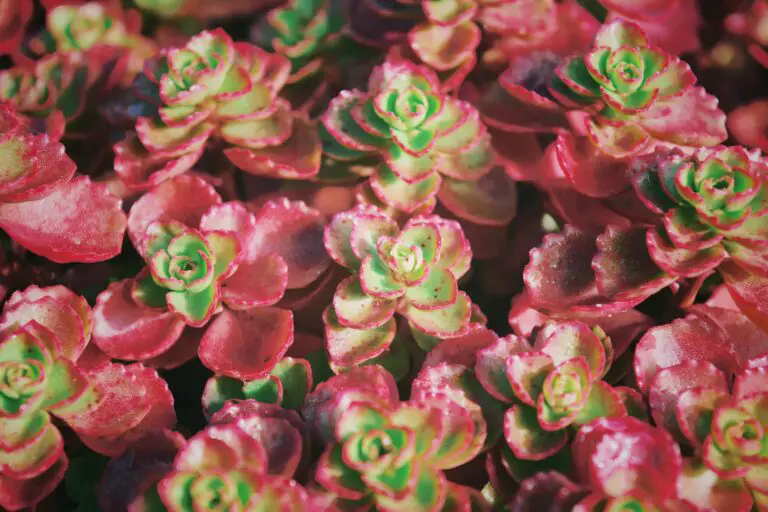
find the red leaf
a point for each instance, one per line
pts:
(126, 330)
(693, 338)
(624, 269)
(70, 321)
(124, 401)
(692, 119)
(619, 455)
(185, 199)
(281, 432)
(260, 282)
(748, 292)
(42, 167)
(294, 231)
(77, 221)
(247, 344)
(591, 172)
(160, 416)
(669, 383)
(20, 494)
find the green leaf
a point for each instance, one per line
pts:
(195, 308)
(148, 292)
(296, 378)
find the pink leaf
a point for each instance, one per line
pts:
(260, 282)
(160, 416)
(690, 339)
(294, 231)
(618, 455)
(59, 318)
(185, 199)
(246, 345)
(77, 221)
(124, 401)
(692, 119)
(669, 383)
(126, 330)
(748, 292)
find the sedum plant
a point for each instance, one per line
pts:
(49, 371)
(412, 272)
(42, 201)
(213, 87)
(211, 283)
(335, 294)
(638, 93)
(420, 135)
(223, 467)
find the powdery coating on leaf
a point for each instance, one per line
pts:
(126, 330)
(321, 406)
(618, 455)
(185, 199)
(77, 221)
(56, 308)
(559, 273)
(280, 432)
(293, 231)
(161, 415)
(689, 339)
(246, 344)
(124, 401)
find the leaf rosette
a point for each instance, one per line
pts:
(638, 94)
(302, 31)
(223, 467)
(392, 457)
(215, 87)
(421, 134)
(56, 82)
(214, 273)
(715, 206)
(413, 272)
(550, 385)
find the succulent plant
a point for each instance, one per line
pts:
(714, 206)
(234, 97)
(222, 467)
(46, 372)
(57, 82)
(37, 185)
(210, 283)
(638, 94)
(551, 385)
(392, 457)
(413, 272)
(303, 31)
(420, 133)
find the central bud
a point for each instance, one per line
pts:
(411, 107)
(214, 493)
(376, 444)
(19, 380)
(408, 258)
(564, 391)
(743, 435)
